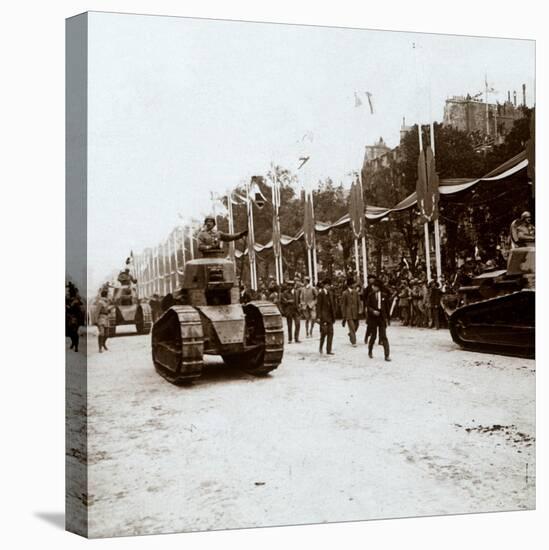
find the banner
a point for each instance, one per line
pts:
(309, 220)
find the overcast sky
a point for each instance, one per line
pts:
(181, 107)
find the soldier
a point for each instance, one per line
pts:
(523, 232)
(350, 300)
(308, 306)
(125, 278)
(209, 238)
(102, 320)
(326, 309)
(378, 315)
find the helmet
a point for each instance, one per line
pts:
(209, 218)
(525, 215)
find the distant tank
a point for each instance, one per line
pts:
(496, 312)
(205, 317)
(128, 310)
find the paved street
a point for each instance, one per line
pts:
(438, 430)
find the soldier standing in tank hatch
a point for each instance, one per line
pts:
(209, 238)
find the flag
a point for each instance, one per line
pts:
(421, 186)
(256, 195)
(356, 209)
(432, 194)
(369, 96)
(309, 220)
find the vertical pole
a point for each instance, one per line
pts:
(149, 273)
(231, 227)
(174, 237)
(275, 219)
(309, 263)
(183, 252)
(437, 226)
(426, 224)
(158, 279)
(315, 264)
(357, 260)
(364, 261)
(251, 239)
(191, 244)
(164, 285)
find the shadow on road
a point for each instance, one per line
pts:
(213, 373)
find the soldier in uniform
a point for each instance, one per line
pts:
(523, 232)
(103, 308)
(125, 278)
(290, 308)
(209, 238)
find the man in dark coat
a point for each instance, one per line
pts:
(326, 312)
(378, 315)
(350, 301)
(290, 302)
(365, 293)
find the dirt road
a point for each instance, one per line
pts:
(436, 431)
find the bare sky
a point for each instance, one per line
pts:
(181, 107)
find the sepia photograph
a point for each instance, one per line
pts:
(300, 274)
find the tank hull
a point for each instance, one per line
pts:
(139, 315)
(503, 324)
(248, 337)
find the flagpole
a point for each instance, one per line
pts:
(183, 251)
(436, 224)
(357, 260)
(174, 237)
(426, 224)
(315, 265)
(149, 273)
(251, 239)
(231, 227)
(191, 247)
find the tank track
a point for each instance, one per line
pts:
(147, 319)
(503, 325)
(269, 355)
(178, 344)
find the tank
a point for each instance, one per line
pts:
(496, 312)
(205, 317)
(128, 310)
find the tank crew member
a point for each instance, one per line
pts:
(523, 232)
(125, 278)
(209, 238)
(326, 310)
(378, 315)
(102, 320)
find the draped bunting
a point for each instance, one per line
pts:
(448, 186)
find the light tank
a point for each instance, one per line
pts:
(496, 312)
(128, 310)
(205, 317)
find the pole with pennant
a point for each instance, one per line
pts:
(232, 254)
(251, 238)
(436, 223)
(422, 185)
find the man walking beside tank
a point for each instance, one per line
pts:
(103, 308)
(378, 315)
(290, 309)
(326, 310)
(308, 306)
(349, 308)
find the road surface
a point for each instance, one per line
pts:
(437, 431)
